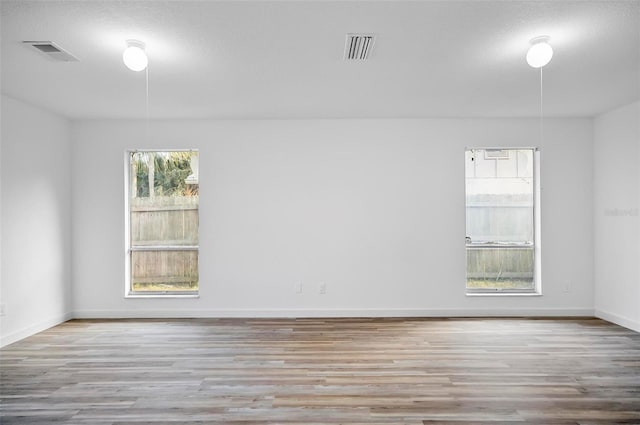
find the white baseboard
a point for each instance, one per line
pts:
(33, 329)
(311, 313)
(308, 313)
(634, 325)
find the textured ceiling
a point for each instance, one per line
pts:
(268, 59)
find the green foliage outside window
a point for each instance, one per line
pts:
(170, 171)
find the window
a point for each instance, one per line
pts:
(162, 223)
(502, 220)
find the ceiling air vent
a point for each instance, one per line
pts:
(52, 51)
(358, 46)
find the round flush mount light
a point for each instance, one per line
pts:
(134, 56)
(540, 52)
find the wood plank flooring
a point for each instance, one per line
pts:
(323, 371)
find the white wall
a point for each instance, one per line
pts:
(616, 203)
(36, 224)
(373, 208)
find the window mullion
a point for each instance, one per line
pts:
(164, 248)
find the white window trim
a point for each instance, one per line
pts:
(537, 240)
(127, 234)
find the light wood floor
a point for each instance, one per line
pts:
(324, 371)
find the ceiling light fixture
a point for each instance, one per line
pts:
(540, 52)
(134, 56)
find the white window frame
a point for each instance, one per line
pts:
(128, 293)
(537, 240)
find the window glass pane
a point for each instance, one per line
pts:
(500, 218)
(160, 271)
(163, 214)
(164, 221)
(501, 268)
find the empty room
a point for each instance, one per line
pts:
(320, 212)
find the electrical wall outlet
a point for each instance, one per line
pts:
(3, 308)
(323, 288)
(566, 286)
(298, 288)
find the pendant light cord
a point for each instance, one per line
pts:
(541, 115)
(147, 102)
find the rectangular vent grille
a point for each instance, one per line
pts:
(358, 46)
(47, 48)
(52, 51)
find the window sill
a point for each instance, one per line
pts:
(504, 294)
(137, 296)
